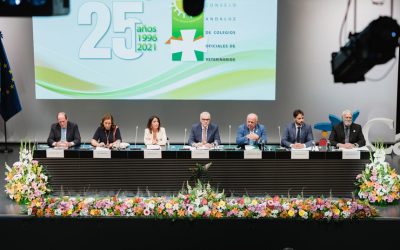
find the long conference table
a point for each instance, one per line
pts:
(138, 171)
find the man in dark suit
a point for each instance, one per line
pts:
(347, 134)
(64, 134)
(298, 134)
(204, 133)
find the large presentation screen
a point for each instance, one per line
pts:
(152, 49)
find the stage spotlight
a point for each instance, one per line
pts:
(376, 44)
(34, 7)
(193, 7)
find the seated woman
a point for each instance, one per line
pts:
(154, 134)
(108, 134)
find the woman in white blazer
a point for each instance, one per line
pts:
(154, 134)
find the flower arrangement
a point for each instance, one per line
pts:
(202, 201)
(26, 180)
(378, 183)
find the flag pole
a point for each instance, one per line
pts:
(5, 149)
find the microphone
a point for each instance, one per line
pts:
(280, 137)
(184, 141)
(230, 127)
(135, 148)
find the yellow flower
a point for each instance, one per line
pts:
(222, 204)
(17, 197)
(19, 187)
(254, 202)
(10, 176)
(181, 212)
(336, 211)
(291, 212)
(38, 204)
(302, 212)
(168, 205)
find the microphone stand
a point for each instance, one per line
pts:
(136, 148)
(5, 149)
(229, 147)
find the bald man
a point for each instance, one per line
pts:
(251, 133)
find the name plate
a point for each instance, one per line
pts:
(252, 154)
(300, 154)
(152, 154)
(351, 155)
(54, 153)
(104, 154)
(200, 154)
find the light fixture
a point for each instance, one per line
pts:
(376, 44)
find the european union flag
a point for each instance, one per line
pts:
(9, 100)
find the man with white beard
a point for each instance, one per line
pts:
(347, 134)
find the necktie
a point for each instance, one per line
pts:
(63, 134)
(347, 134)
(204, 135)
(298, 135)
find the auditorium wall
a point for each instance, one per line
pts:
(308, 32)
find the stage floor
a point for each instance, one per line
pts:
(9, 208)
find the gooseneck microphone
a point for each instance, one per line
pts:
(230, 128)
(135, 148)
(184, 138)
(280, 138)
(137, 127)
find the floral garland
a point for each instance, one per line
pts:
(202, 202)
(379, 183)
(26, 180)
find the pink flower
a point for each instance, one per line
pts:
(358, 176)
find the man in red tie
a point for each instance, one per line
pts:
(204, 133)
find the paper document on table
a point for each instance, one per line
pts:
(365, 148)
(299, 149)
(153, 147)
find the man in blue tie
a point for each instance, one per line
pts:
(204, 133)
(298, 134)
(347, 134)
(64, 134)
(251, 133)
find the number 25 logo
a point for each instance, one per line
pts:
(121, 23)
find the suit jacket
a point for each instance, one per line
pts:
(73, 134)
(338, 136)
(289, 136)
(243, 130)
(212, 134)
(161, 137)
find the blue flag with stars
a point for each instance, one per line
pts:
(9, 100)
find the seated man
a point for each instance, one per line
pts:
(298, 134)
(251, 133)
(64, 133)
(347, 134)
(204, 133)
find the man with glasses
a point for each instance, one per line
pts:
(204, 133)
(347, 134)
(251, 133)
